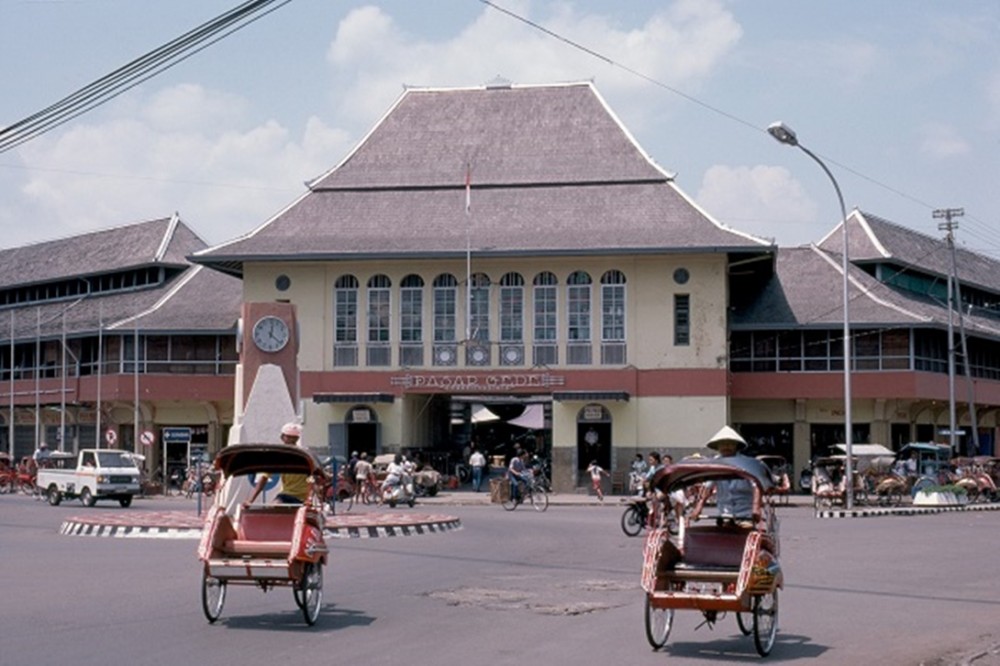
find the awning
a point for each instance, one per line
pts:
(353, 397)
(533, 418)
(589, 396)
(482, 414)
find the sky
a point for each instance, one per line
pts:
(899, 98)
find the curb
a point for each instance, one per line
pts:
(904, 511)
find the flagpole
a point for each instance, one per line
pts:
(10, 424)
(468, 254)
(100, 370)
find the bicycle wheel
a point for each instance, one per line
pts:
(659, 622)
(631, 522)
(765, 622)
(309, 596)
(213, 596)
(539, 499)
(509, 503)
(745, 622)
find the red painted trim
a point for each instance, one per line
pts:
(637, 383)
(864, 385)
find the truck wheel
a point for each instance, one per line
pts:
(54, 496)
(87, 498)
(126, 501)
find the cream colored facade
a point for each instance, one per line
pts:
(661, 411)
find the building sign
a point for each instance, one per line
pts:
(176, 435)
(360, 416)
(482, 383)
(593, 413)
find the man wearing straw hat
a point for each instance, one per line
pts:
(734, 497)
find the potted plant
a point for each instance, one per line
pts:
(949, 495)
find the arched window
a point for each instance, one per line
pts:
(578, 287)
(545, 319)
(512, 319)
(379, 353)
(345, 327)
(411, 321)
(445, 304)
(478, 350)
(613, 318)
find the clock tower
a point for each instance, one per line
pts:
(269, 335)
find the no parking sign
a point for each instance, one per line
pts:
(111, 437)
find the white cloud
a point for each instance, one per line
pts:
(225, 176)
(679, 45)
(940, 141)
(762, 200)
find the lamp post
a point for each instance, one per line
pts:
(786, 135)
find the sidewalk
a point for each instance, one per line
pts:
(467, 497)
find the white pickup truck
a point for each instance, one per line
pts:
(95, 474)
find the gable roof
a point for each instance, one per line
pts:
(165, 241)
(550, 171)
(873, 240)
(806, 292)
(190, 300)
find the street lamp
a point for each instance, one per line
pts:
(786, 135)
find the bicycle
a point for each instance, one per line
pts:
(527, 491)
(367, 494)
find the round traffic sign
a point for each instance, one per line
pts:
(110, 436)
(146, 437)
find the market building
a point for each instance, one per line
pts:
(113, 339)
(507, 246)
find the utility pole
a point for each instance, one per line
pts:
(949, 226)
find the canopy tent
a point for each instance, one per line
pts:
(482, 414)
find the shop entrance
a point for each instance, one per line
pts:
(593, 439)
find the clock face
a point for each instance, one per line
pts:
(270, 334)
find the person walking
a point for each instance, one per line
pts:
(477, 461)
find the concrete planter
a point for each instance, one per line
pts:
(939, 499)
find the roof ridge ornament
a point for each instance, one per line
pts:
(499, 83)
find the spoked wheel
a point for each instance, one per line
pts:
(631, 521)
(745, 622)
(765, 622)
(539, 499)
(309, 592)
(659, 622)
(509, 503)
(213, 596)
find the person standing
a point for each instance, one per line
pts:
(596, 472)
(477, 461)
(362, 470)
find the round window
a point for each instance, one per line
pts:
(282, 282)
(681, 276)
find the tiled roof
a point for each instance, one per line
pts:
(552, 171)
(873, 239)
(163, 241)
(193, 300)
(806, 292)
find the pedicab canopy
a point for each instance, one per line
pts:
(240, 459)
(698, 470)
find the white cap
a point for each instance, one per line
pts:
(292, 428)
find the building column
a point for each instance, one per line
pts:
(801, 439)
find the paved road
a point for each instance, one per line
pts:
(559, 587)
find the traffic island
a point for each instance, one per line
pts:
(184, 525)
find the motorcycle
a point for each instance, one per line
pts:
(806, 479)
(401, 491)
(636, 516)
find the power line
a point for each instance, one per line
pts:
(135, 72)
(725, 114)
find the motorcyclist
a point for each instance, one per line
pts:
(394, 472)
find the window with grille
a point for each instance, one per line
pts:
(345, 307)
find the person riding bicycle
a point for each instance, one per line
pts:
(294, 487)
(734, 498)
(518, 473)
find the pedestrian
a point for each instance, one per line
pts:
(596, 472)
(294, 487)
(362, 470)
(477, 461)
(42, 455)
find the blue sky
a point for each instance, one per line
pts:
(901, 98)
